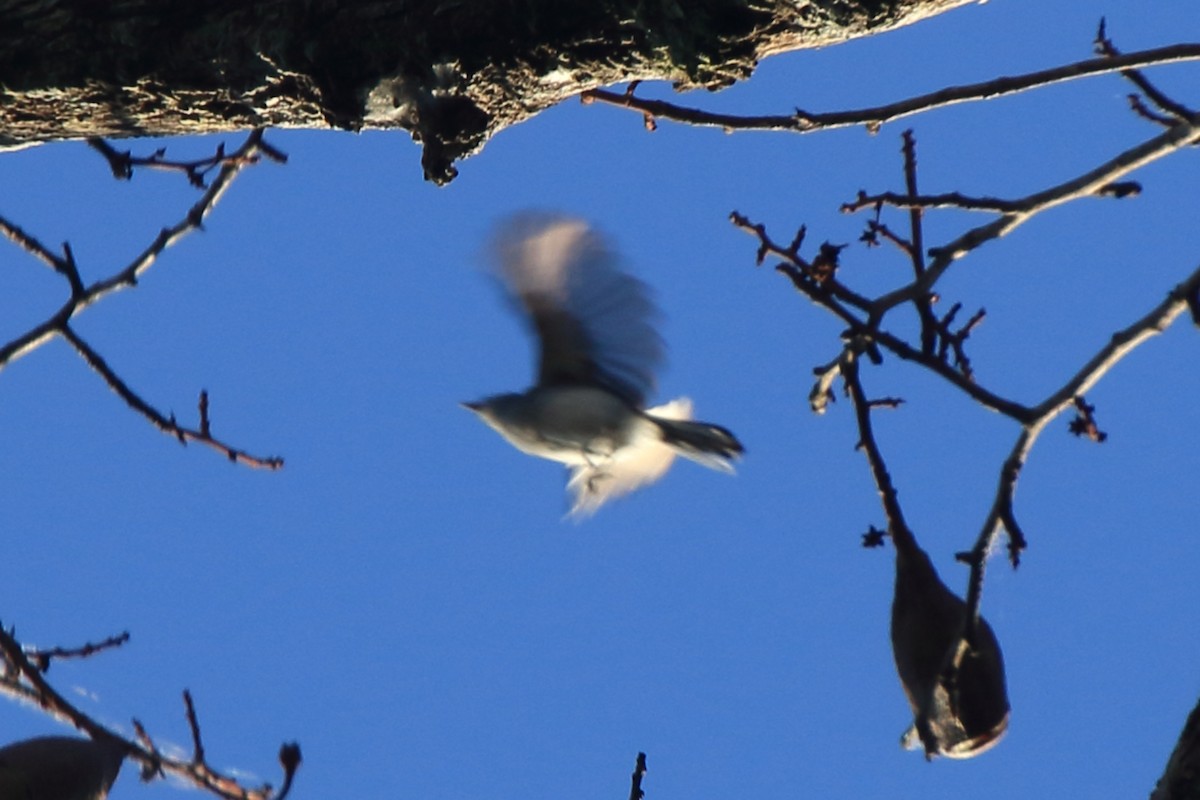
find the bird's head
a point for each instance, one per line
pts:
(496, 409)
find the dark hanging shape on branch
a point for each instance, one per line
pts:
(60, 767)
(957, 712)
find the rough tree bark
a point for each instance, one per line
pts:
(451, 72)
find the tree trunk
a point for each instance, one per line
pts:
(452, 72)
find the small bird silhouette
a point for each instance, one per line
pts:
(599, 351)
(960, 717)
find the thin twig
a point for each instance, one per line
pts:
(1001, 515)
(1175, 111)
(30, 683)
(1026, 208)
(122, 162)
(639, 772)
(167, 425)
(128, 276)
(43, 657)
(1121, 344)
(194, 727)
(58, 324)
(953, 341)
(912, 200)
(895, 344)
(63, 265)
(902, 536)
(875, 117)
(829, 286)
(923, 304)
(23, 678)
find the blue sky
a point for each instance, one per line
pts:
(404, 598)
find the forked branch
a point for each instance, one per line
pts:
(81, 295)
(22, 675)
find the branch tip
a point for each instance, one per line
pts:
(639, 772)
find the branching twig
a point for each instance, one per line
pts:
(23, 677)
(875, 229)
(865, 321)
(832, 291)
(902, 535)
(952, 341)
(1001, 516)
(42, 658)
(82, 295)
(167, 425)
(875, 117)
(122, 163)
(1174, 111)
(1028, 207)
(986, 398)
(891, 342)
(128, 276)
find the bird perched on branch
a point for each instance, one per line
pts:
(599, 351)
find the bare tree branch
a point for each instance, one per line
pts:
(42, 658)
(1028, 207)
(1175, 111)
(918, 589)
(916, 251)
(167, 425)
(245, 155)
(81, 296)
(639, 772)
(875, 117)
(902, 535)
(22, 677)
(794, 267)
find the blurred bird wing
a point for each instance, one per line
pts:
(594, 321)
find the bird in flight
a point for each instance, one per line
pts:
(598, 354)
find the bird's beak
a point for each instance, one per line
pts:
(472, 406)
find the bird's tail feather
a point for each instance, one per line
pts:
(711, 445)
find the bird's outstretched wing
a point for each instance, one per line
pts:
(594, 321)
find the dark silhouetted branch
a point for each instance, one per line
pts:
(873, 118)
(902, 535)
(82, 296)
(1174, 111)
(42, 658)
(1088, 184)
(167, 425)
(22, 676)
(639, 772)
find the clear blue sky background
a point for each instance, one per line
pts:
(404, 599)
